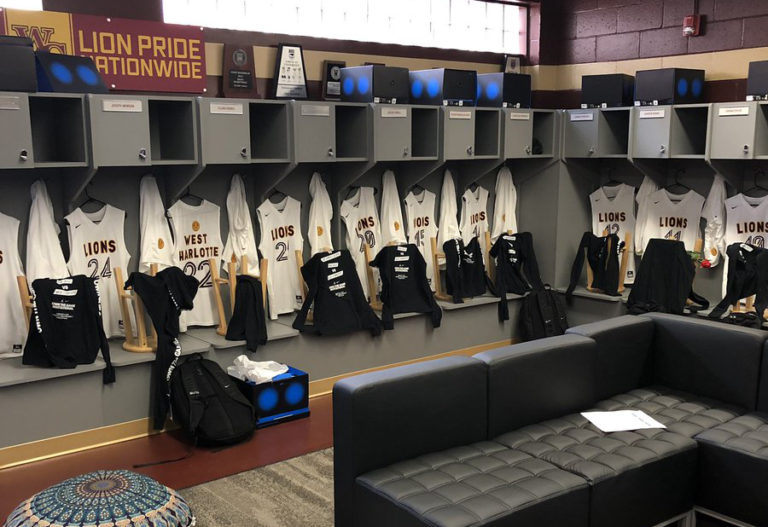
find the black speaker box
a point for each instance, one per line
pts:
(383, 84)
(285, 398)
(17, 64)
(669, 86)
(757, 81)
(614, 90)
(443, 86)
(506, 90)
(68, 74)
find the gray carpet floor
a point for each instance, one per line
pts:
(293, 493)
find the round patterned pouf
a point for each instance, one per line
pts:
(107, 498)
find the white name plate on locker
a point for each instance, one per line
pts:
(227, 108)
(520, 116)
(652, 114)
(10, 103)
(733, 111)
(315, 110)
(122, 105)
(453, 114)
(394, 112)
(582, 117)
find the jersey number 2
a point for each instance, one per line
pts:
(106, 271)
(191, 269)
(283, 248)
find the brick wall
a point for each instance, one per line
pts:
(608, 30)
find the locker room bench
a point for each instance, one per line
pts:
(498, 439)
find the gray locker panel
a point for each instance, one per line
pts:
(518, 133)
(651, 132)
(581, 133)
(733, 130)
(15, 131)
(761, 131)
(119, 130)
(314, 131)
(458, 133)
(224, 131)
(392, 132)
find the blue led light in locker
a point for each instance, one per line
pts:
(294, 393)
(433, 87)
(349, 85)
(417, 88)
(697, 87)
(363, 85)
(87, 75)
(492, 90)
(61, 72)
(682, 87)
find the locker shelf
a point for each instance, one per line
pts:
(487, 132)
(352, 132)
(172, 131)
(424, 133)
(58, 130)
(689, 130)
(544, 132)
(269, 131)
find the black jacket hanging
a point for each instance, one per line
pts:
(405, 288)
(248, 320)
(339, 301)
(464, 269)
(664, 279)
(747, 276)
(516, 268)
(164, 297)
(603, 258)
(66, 327)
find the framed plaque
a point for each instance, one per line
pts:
(239, 71)
(332, 79)
(290, 75)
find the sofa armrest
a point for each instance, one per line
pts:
(392, 415)
(717, 361)
(538, 380)
(623, 353)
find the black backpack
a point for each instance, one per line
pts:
(542, 314)
(207, 404)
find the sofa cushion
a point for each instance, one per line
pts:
(718, 361)
(539, 380)
(574, 444)
(681, 413)
(471, 485)
(623, 347)
(733, 469)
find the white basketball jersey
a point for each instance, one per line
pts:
(672, 217)
(96, 248)
(746, 220)
(241, 241)
(613, 212)
(197, 233)
(320, 215)
(362, 222)
(281, 237)
(474, 216)
(44, 256)
(156, 242)
(505, 205)
(392, 229)
(12, 324)
(422, 227)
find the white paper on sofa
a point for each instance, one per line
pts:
(622, 420)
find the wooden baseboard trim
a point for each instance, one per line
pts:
(16, 455)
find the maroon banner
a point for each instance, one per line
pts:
(142, 56)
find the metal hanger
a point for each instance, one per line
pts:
(354, 188)
(676, 182)
(416, 188)
(90, 199)
(188, 194)
(756, 185)
(473, 186)
(277, 192)
(611, 181)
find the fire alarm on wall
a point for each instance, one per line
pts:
(692, 26)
